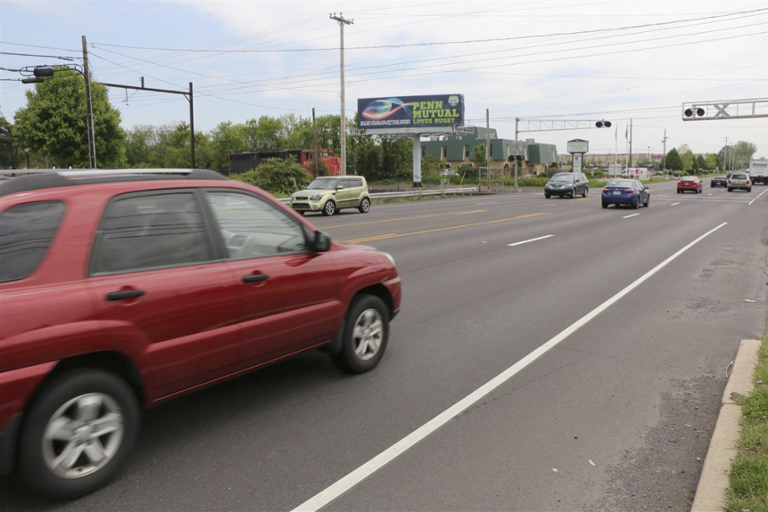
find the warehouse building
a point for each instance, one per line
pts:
(459, 149)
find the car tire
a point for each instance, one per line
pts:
(365, 205)
(679, 191)
(367, 321)
(749, 189)
(330, 208)
(636, 204)
(547, 196)
(109, 398)
(646, 203)
(586, 191)
(605, 205)
(730, 189)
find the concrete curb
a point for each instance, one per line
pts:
(714, 481)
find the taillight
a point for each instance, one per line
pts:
(629, 190)
(747, 182)
(605, 190)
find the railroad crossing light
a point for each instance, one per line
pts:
(43, 71)
(520, 157)
(602, 123)
(699, 112)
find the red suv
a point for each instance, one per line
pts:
(120, 290)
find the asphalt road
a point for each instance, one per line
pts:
(612, 414)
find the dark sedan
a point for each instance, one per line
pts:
(718, 181)
(627, 192)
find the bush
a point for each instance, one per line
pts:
(276, 176)
(598, 174)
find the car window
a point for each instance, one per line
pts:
(323, 184)
(355, 182)
(344, 183)
(26, 232)
(739, 176)
(149, 231)
(253, 228)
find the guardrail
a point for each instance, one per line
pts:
(414, 193)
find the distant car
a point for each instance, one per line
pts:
(718, 181)
(690, 183)
(626, 192)
(567, 184)
(739, 181)
(331, 194)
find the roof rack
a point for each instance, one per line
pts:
(97, 172)
(39, 179)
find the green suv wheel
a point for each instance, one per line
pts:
(365, 205)
(330, 208)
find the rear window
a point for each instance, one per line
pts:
(146, 232)
(355, 182)
(739, 177)
(26, 232)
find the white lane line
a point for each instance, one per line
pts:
(531, 240)
(674, 204)
(628, 216)
(758, 197)
(494, 202)
(347, 482)
(709, 194)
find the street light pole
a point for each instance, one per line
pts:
(89, 119)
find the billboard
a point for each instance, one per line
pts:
(578, 146)
(429, 111)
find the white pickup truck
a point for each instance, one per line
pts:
(758, 171)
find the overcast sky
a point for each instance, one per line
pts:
(532, 59)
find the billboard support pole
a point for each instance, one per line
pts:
(416, 160)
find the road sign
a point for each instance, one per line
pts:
(578, 146)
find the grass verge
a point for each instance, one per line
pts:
(749, 471)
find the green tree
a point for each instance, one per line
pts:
(396, 157)
(226, 138)
(264, 134)
(54, 123)
(712, 161)
(701, 163)
(10, 157)
(138, 146)
(478, 155)
(430, 166)
(688, 159)
(276, 176)
(674, 162)
(364, 157)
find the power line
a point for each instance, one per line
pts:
(437, 43)
(38, 55)
(38, 46)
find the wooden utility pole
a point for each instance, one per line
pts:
(89, 105)
(342, 21)
(191, 126)
(664, 156)
(317, 147)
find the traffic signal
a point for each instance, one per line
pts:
(602, 123)
(699, 112)
(43, 71)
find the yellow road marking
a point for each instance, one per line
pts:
(398, 235)
(403, 218)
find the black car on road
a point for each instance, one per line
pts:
(718, 181)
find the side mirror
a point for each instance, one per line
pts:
(321, 242)
(340, 187)
(646, 187)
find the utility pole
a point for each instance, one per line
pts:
(629, 164)
(191, 126)
(664, 156)
(89, 104)
(342, 21)
(317, 148)
(517, 149)
(487, 145)
(725, 156)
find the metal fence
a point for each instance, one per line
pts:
(414, 193)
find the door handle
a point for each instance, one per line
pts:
(128, 294)
(253, 278)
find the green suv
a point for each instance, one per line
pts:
(330, 194)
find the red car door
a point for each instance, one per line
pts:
(154, 278)
(288, 294)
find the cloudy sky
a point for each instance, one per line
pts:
(535, 59)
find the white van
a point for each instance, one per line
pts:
(638, 173)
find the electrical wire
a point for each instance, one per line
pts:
(59, 57)
(38, 46)
(436, 43)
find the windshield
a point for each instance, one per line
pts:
(622, 184)
(323, 184)
(563, 178)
